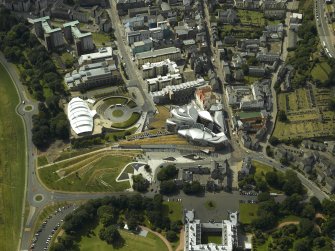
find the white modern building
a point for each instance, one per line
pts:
(194, 229)
(101, 55)
(197, 125)
(80, 116)
(151, 70)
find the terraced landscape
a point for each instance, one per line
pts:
(308, 114)
(95, 172)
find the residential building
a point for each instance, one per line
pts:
(53, 37)
(228, 16)
(141, 46)
(152, 70)
(171, 53)
(177, 93)
(82, 41)
(194, 229)
(267, 57)
(160, 82)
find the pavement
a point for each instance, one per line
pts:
(325, 34)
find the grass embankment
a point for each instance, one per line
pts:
(132, 242)
(260, 172)
(159, 121)
(173, 210)
(166, 140)
(93, 173)
(12, 164)
(248, 212)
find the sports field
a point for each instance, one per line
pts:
(132, 242)
(307, 113)
(12, 164)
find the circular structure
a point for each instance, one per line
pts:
(117, 113)
(120, 112)
(38, 197)
(28, 108)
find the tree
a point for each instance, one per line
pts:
(140, 184)
(192, 188)
(274, 141)
(110, 234)
(305, 228)
(292, 205)
(328, 207)
(171, 236)
(168, 187)
(264, 196)
(302, 245)
(167, 173)
(272, 178)
(308, 211)
(329, 227)
(282, 116)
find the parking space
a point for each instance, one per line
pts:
(44, 234)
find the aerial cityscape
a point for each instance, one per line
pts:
(177, 125)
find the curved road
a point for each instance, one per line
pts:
(323, 29)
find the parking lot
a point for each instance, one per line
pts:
(44, 234)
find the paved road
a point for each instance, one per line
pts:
(323, 28)
(135, 78)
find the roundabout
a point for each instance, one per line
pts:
(38, 198)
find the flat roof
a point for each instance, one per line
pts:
(248, 115)
(156, 53)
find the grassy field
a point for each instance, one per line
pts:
(12, 164)
(169, 139)
(96, 173)
(321, 71)
(42, 160)
(248, 17)
(100, 38)
(248, 212)
(173, 210)
(159, 120)
(130, 122)
(132, 242)
(249, 80)
(261, 170)
(207, 237)
(308, 115)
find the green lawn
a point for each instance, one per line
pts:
(100, 38)
(249, 80)
(173, 210)
(261, 169)
(98, 175)
(12, 164)
(117, 113)
(321, 71)
(207, 237)
(42, 160)
(248, 212)
(265, 246)
(251, 17)
(132, 242)
(130, 122)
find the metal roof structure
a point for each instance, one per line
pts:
(80, 116)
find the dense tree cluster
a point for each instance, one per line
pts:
(140, 184)
(167, 173)
(113, 213)
(39, 74)
(312, 233)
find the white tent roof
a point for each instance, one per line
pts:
(80, 116)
